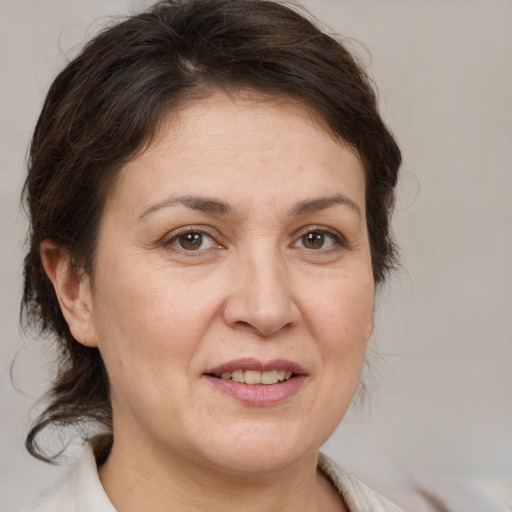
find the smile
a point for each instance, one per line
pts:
(258, 383)
(254, 377)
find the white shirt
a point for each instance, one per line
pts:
(80, 490)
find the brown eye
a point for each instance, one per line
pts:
(191, 241)
(319, 240)
(313, 240)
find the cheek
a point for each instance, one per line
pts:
(343, 324)
(149, 319)
(146, 338)
(340, 321)
(342, 311)
(150, 325)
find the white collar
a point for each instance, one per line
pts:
(80, 490)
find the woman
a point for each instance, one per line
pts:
(209, 188)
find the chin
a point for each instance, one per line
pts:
(249, 462)
(259, 449)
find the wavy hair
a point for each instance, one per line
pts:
(106, 106)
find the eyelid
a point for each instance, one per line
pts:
(203, 230)
(340, 240)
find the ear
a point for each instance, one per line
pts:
(73, 292)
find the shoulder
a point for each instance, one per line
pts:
(428, 494)
(356, 494)
(80, 490)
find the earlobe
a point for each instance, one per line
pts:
(73, 292)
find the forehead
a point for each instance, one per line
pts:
(245, 147)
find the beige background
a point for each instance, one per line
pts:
(441, 392)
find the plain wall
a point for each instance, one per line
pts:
(440, 394)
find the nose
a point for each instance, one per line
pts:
(261, 298)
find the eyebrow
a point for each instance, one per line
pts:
(314, 205)
(203, 204)
(219, 207)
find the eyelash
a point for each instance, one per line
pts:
(338, 241)
(174, 240)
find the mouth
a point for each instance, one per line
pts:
(254, 377)
(256, 382)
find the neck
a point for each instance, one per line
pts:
(162, 481)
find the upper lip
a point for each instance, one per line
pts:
(257, 365)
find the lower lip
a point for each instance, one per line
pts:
(258, 394)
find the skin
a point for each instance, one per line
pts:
(162, 314)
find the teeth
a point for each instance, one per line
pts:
(252, 377)
(238, 376)
(269, 377)
(256, 377)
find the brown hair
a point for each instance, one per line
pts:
(105, 107)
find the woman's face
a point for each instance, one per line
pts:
(234, 249)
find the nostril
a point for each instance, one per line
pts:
(264, 310)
